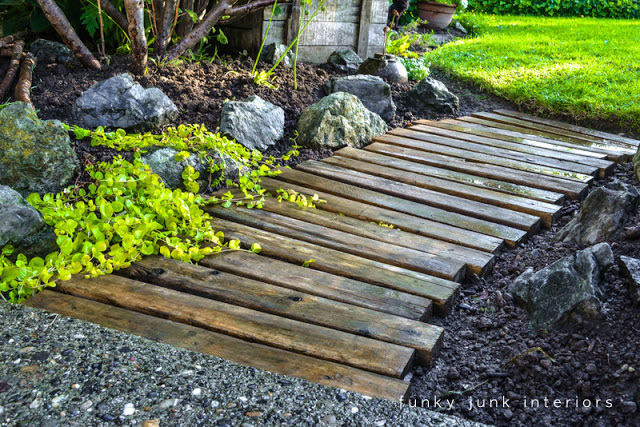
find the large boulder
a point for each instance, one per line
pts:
(35, 155)
(274, 51)
(120, 102)
(254, 123)
(23, 227)
(630, 270)
(372, 91)
(345, 60)
(50, 51)
(431, 96)
(338, 120)
(603, 213)
(569, 285)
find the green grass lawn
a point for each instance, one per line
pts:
(581, 67)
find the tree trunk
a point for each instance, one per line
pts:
(201, 30)
(115, 14)
(64, 29)
(23, 88)
(13, 69)
(165, 25)
(185, 25)
(135, 14)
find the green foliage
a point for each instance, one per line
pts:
(125, 213)
(584, 68)
(627, 9)
(417, 68)
(19, 15)
(460, 4)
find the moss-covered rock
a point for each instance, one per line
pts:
(35, 155)
(339, 120)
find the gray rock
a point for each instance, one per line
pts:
(50, 51)
(162, 162)
(458, 26)
(274, 51)
(35, 156)
(602, 214)
(372, 91)
(569, 285)
(23, 227)
(120, 102)
(345, 60)
(431, 96)
(338, 120)
(630, 270)
(254, 123)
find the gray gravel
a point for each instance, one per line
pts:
(60, 371)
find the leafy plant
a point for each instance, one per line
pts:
(460, 4)
(417, 68)
(626, 9)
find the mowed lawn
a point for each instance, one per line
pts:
(582, 67)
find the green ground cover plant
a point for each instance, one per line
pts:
(583, 68)
(126, 212)
(596, 8)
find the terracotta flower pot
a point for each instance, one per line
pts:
(438, 15)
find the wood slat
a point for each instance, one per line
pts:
(600, 150)
(348, 243)
(291, 335)
(345, 207)
(561, 153)
(203, 341)
(420, 141)
(552, 131)
(228, 288)
(451, 175)
(510, 235)
(610, 138)
(440, 291)
(470, 143)
(478, 262)
(314, 282)
(547, 211)
(572, 189)
(436, 199)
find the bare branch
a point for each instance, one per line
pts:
(115, 14)
(139, 51)
(23, 88)
(13, 68)
(61, 24)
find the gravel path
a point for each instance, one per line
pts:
(60, 371)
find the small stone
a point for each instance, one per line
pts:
(591, 368)
(108, 417)
(86, 405)
(231, 405)
(341, 397)
(253, 414)
(329, 419)
(196, 392)
(546, 363)
(274, 51)
(129, 409)
(55, 402)
(628, 407)
(354, 410)
(4, 387)
(36, 403)
(431, 96)
(26, 350)
(215, 403)
(169, 403)
(151, 423)
(345, 61)
(30, 369)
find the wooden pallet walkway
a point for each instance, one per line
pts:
(406, 219)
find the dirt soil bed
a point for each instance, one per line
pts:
(485, 330)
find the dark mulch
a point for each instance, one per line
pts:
(486, 330)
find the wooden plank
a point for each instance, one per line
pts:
(410, 259)
(510, 235)
(548, 212)
(314, 282)
(324, 33)
(567, 134)
(471, 208)
(293, 21)
(476, 261)
(430, 143)
(243, 323)
(531, 132)
(451, 175)
(470, 143)
(364, 27)
(610, 138)
(413, 224)
(238, 351)
(572, 189)
(442, 292)
(213, 284)
(594, 149)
